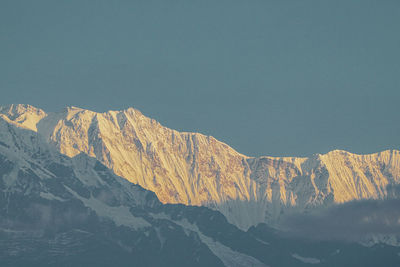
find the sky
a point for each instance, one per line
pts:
(278, 78)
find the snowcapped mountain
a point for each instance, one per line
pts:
(63, 209)
(194, 169)
(57, 210)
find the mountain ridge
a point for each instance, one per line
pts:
(59, 210)
(194, 169)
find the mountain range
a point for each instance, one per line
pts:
(118, 187)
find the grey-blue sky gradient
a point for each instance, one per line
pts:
(266, 77)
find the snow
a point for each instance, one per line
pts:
(306, 259)
(25, 116)
(50, 196)
(119, 215)
(22, 148)
(194, 169)
(388, 239)
(262, 241)
(228, 256)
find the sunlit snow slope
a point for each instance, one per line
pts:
(195, 169)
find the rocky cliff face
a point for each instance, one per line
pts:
(62, 211)
(194, 169)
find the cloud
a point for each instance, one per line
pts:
(45, 216)
(352, 221)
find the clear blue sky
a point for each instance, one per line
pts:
(266, 77)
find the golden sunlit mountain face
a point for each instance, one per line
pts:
(194, 169)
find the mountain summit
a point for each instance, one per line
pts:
(194, 169)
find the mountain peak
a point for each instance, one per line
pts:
(22, 115)
(74, 108)
(18, 109)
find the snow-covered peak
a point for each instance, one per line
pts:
(18, 109)
(22, 115)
